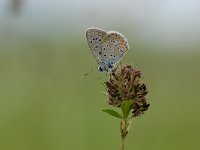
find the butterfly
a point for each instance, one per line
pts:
(108, 48)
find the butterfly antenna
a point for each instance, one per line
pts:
(89, 72)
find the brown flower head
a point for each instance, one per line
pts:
(124, 84)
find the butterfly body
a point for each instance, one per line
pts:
(108, 48)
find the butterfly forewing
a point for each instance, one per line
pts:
(95, 37)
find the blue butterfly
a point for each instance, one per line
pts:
(108, 48)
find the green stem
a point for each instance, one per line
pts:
(122, 144)
(123, 131)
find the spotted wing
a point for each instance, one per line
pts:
(95, 37)
(114, 47)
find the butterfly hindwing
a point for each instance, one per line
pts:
(114, 47)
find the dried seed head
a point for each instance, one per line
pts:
(124, 83)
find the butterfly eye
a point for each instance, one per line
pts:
(100, 69)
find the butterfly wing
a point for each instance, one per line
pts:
(95, 38)
(114, 47)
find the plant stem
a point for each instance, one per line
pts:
(122, 144)
(123, 131)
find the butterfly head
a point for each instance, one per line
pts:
(100, 69)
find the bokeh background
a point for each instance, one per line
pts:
(46, 102)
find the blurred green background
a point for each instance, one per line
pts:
(46, 102)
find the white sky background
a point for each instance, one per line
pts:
(165, 22)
